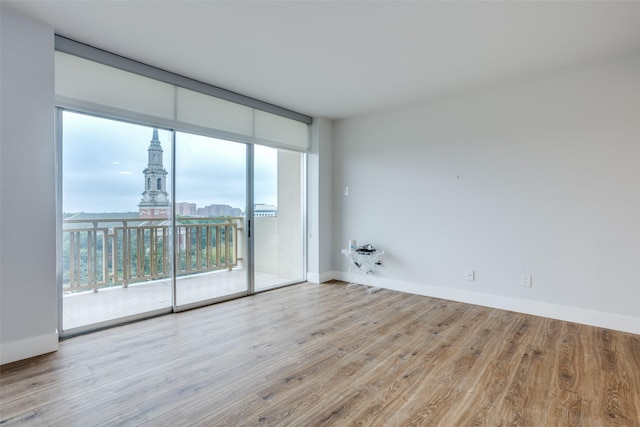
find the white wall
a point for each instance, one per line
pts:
(320, 202)
(539, 176)
(28, 300)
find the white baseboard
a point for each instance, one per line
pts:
(321, 277)
(570, 314)
(28, 347)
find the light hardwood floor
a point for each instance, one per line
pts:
(310, 355)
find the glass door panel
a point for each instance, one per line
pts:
(211, 182)
(278, 217)
(116, 235)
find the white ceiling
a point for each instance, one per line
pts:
(339, 59)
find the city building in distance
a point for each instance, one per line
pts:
(186, 209)
(219, 210)
(261, 209)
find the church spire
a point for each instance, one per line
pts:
(155, 199)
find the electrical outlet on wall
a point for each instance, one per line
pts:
(525, 280)
(471, 276)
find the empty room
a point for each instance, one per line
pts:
(306, 213)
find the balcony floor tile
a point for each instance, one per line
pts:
(86, 308)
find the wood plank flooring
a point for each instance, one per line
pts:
(311, 355)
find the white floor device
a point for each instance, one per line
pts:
(363, 261)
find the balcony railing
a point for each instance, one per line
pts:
(99, 253)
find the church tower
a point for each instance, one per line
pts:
(155, 199)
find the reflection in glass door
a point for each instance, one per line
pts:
(210, 195)
(278, 217)
(115, 238)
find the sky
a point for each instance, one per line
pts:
(103, 160)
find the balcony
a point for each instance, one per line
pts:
(120, 267)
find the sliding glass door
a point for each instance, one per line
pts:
(278, 217)
(115, 254)
(210, 194)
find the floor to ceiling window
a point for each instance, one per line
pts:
(148, 228)
(173, 193)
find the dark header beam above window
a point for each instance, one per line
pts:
(73, 47)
